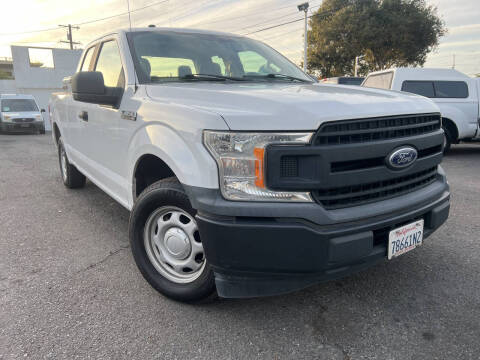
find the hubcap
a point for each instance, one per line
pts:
(173, 245)
(177, 243)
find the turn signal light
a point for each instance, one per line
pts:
(259, 154)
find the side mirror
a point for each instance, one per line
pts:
(42, 110)
(89, 86)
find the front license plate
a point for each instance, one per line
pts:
(405, 238)
(25, 125)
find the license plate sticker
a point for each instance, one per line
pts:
(405, 238)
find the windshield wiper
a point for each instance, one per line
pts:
(278, 76)
(210, 77)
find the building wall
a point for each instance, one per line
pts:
(37, 81)
(28, 77)
(8, 87)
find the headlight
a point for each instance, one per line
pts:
(38, 117)
(6, 117)
(240, 159)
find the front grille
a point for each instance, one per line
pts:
(289, 166)
(376, 129)
(374, 191)
(350, 165)
(23, 120)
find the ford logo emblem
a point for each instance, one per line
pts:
(402, 157)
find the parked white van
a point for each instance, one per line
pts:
(20, 113)
(456, 94)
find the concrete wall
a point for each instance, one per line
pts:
(8, 87)
(28, 77)
(37, 81)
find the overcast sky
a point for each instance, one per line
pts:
(462, 18)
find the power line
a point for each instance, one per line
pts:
(85, 22)
(268, 21)
(289, 22)
(274, 26)
(28, 32)
(122, 14)
(238, 17)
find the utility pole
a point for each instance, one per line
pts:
(304, 7)
(69, 35)
(356, 63)
(453, 64)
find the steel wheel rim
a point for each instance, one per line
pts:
(63, 164)
(173, 245)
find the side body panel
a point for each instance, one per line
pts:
(464, 112)
(174, 134)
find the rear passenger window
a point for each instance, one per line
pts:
(424, 88)
(379, 81)
(451, 89)
(87, 59)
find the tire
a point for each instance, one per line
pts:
(448, 140)
(160, 210)
(72, 178)
(42, 131)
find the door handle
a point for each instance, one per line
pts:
(83, 115)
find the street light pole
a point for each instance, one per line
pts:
(356, 63)
(304, 7)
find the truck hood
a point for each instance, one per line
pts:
(286, 106)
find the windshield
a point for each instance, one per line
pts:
(17, 105)
(171, 56)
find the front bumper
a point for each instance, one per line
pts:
(274, 254)
(21, 127)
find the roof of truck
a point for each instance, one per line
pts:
(166, 30)
(425, 73)
(16, 96)
(180, 30)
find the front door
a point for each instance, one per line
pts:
(103, 123)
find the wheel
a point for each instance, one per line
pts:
(447, 141)
(72, 178)
(166, 244)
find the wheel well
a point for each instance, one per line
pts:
(149, 169)
(56, 132)
(450, 125)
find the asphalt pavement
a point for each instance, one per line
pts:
(69, 288)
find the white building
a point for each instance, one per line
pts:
(39, 72)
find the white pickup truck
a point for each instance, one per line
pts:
(243, 175)
(456, 94)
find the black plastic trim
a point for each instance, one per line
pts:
(270, 256)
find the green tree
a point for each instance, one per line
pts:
(386, 32)
(5, 75)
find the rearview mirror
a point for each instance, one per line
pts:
(89, 86)
(42, 110)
